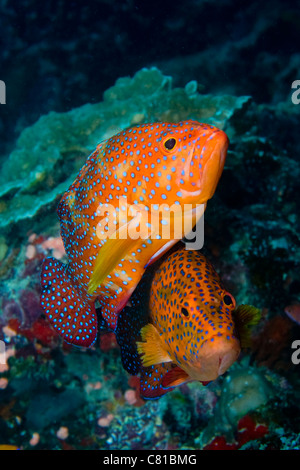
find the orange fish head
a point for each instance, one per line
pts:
(206, 345)
(180, 163)
(210, 155)
(198, 152)
(204, 163)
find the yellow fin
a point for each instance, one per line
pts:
(110, 254)
(117, 246)
(151, 347)
(246, 316)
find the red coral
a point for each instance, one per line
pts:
(248, 430)
(108, 341)
(14, 324)
(40, 330)
(219, 443)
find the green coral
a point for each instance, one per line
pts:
(49, 153)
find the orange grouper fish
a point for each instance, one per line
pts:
(190, 331)
(142, 167)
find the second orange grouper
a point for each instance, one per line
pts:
(133, 172)
(186, 329)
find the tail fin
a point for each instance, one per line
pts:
(73, 318)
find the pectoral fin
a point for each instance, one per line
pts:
(113, 250)
(175, 377)
(151, 348)
(246, 316)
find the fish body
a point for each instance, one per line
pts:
(192, 320)
(191, 330)
(105, 227)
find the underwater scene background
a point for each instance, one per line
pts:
(76, 74)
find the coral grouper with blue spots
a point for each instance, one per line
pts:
(141, 167)
(187, 329)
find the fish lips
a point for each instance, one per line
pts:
(215, 357)
(215, 147)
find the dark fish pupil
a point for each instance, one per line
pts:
(227, 300)
(170, 143)
(184, 312)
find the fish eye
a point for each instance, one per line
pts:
(228, 299)
(184, 311)
(170, 144)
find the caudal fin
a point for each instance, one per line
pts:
(72, 317)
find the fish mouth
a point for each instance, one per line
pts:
(216, 146)
(215, 357)
(227, 360)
